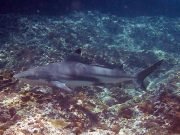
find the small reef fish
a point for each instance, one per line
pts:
(69, 74)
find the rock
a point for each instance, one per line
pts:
(108, 100)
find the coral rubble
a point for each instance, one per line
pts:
(118, 42)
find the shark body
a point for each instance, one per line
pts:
(69, 74)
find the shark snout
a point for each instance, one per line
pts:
(16, 76)
(25, 74)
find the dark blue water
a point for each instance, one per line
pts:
(120, 7)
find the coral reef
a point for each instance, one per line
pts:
(6, 79)
(126, 43)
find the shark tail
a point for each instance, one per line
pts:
(143, 74)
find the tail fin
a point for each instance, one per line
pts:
(143, 74)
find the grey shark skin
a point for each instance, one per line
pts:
(69, 74)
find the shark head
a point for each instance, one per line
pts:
(32, 76)
(36, 73)
(29, 74)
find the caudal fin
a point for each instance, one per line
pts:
(143, 74)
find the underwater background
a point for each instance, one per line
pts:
(126, 34)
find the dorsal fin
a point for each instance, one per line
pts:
(77, 57)
(78, 51)
(73, 57)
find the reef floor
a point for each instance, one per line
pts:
(130, 44)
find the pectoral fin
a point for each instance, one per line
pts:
(61, 86)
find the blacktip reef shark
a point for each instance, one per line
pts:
(69, 74)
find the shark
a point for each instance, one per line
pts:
(69, 74)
